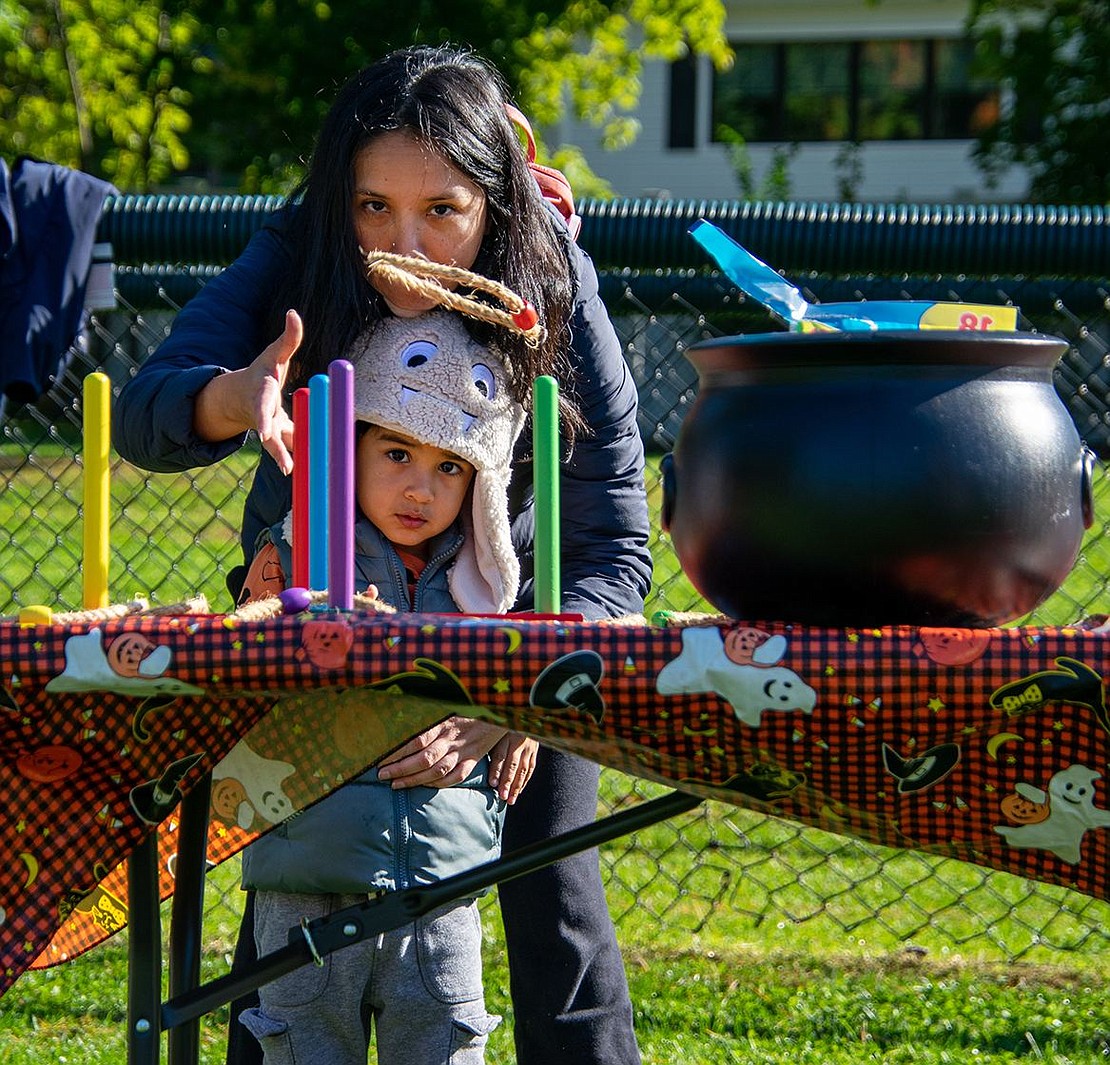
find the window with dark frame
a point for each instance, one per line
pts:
(683, 110)
(875, 90)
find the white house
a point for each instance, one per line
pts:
(866, 101)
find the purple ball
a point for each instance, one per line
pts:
(294, 600)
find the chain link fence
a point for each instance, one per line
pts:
(756, 877)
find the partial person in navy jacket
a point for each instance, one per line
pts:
(48, 219)
(417, 156)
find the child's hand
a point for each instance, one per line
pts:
(511, 765)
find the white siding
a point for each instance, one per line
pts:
(895, 171)
(830, 20)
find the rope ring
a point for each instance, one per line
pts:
(426, 278)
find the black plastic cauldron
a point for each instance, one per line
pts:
(874, 478)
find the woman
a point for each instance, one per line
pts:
(417, 156)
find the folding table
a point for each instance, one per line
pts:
(138, 744)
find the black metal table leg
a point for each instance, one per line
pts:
(344, 927)
(144, 955)
(187, 915)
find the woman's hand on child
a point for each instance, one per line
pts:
(442, 755)
(251, 398)
(511, 765)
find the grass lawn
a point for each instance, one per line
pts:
(738, 991)
(697, 1007)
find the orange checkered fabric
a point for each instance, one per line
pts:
(986, 746)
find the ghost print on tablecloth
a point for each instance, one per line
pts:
(743, 668)
(247, 789)
(1071, 812)
(132, 665)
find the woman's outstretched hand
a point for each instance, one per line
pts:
(251, 398)
(446, 754)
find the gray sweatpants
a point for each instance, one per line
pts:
(420, 985)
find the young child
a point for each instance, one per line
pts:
(432, 469)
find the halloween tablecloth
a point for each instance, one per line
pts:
(989, 746)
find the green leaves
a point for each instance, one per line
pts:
(93, 84)
(232, 92)
(1053, 57)
(592, 55)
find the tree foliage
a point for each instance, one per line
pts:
(96, 85)
(1053, 57)
(282, 70)
(233, 91)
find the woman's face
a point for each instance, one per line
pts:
(410, 200)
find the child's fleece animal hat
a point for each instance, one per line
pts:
(428, 378)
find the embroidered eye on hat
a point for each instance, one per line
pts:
(428, 378)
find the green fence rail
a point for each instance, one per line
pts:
(651, 234)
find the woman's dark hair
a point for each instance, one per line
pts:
(454, 101)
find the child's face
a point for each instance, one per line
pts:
(410, 491)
